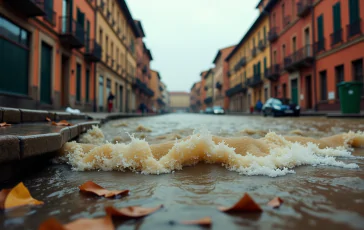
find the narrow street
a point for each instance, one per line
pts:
(315, 196)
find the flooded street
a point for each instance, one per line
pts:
(315, 196)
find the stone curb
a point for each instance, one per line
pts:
(16, 116)
(13, 147)
(115, 116)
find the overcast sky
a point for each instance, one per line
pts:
(184, 36)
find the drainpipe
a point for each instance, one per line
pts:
(95, 64)
(314, 54)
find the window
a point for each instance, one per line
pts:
(323, 85)
(337, 34)
(293, 6)
(354, 11)
(112, 52)
(265, 34)
(78, 82)
(107, 47)
(274, 19)
(294, 45)
(283, 51)
(283, 15)
(358, 74)
(275, 91)
(87, 85)
(320, 33)
(100, 37)
(339, 74)
(274, 57)
(13, 32)
(117, 56)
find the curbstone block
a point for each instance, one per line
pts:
(33, 115)
(10, 115)
(39, 144)
(9, 148)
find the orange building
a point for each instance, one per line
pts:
(339, 42)
(203, 90)
(144, 57)
(221, 79)
(48, 54)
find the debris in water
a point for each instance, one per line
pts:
(48, 119)
(4, 124)
(245, 204)
(93, 136)
(297, 132)
(123, 124)
(118, 139)
(275, 203)
(91, 187)
(17, 196)
(61, 123)
(131, 211)
(104, 223)
(206, 222)
(141, 128)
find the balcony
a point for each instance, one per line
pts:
(354, 29)
(304, 7)
(302, 58)
(255, 81)
(336, 37)
(218, 85)
(239, 88)
(254, 52)
(109, 16)
(240, 64)
(273, 72)
(208, 100)
(286, 21)
(320, 46)
(102, 6)
(161, 88)
(93, 51)
(50, 16)
(273, 34)
(71, 33)
(261, 45)
(29, 8)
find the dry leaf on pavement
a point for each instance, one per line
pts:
(91, 187)
(17, 196)
(245, 204)
(131, 211)
(61, 123)
(275, 203)
(206, 222)
(4, 124)
(104, 223)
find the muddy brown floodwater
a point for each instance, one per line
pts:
(315, 197)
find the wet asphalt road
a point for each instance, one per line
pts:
(314, 197)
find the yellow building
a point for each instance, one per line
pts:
(209, 87)
(248, 64)
(179, 101)
(116, 32)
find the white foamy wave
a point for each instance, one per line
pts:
(272, 155)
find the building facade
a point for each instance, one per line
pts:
(209, 88)
(116, 73)
(179, 101)
(195, 101)
(221, 78)
(203, 90)
(144, 57)
(48, 54)
(248, 67)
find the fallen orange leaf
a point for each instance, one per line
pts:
(48, 119)
(131, 211)
(245, 204)
(17, 196)
(275, 203)
(104, 223)
(61, 123)
(91, 187)
(206, 221)
(4, 124)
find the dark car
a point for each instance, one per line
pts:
(209, 110)
(280, 107)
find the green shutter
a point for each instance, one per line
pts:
(354, 11)
(46, 74)
(78, 83)
(265, 34)
(258, 68)
(87, 85)
(337, 17)
(320, 27)
(265, 64)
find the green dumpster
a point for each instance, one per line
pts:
(350, 96)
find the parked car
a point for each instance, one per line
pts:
(218, 110)
(209, 110)
(280, 107)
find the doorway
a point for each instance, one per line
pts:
(308, 93)
(307, 42)
(121, 98)
(46, 74)
(101, 94)
(65, 82)
(294, 91)
(284, 89)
